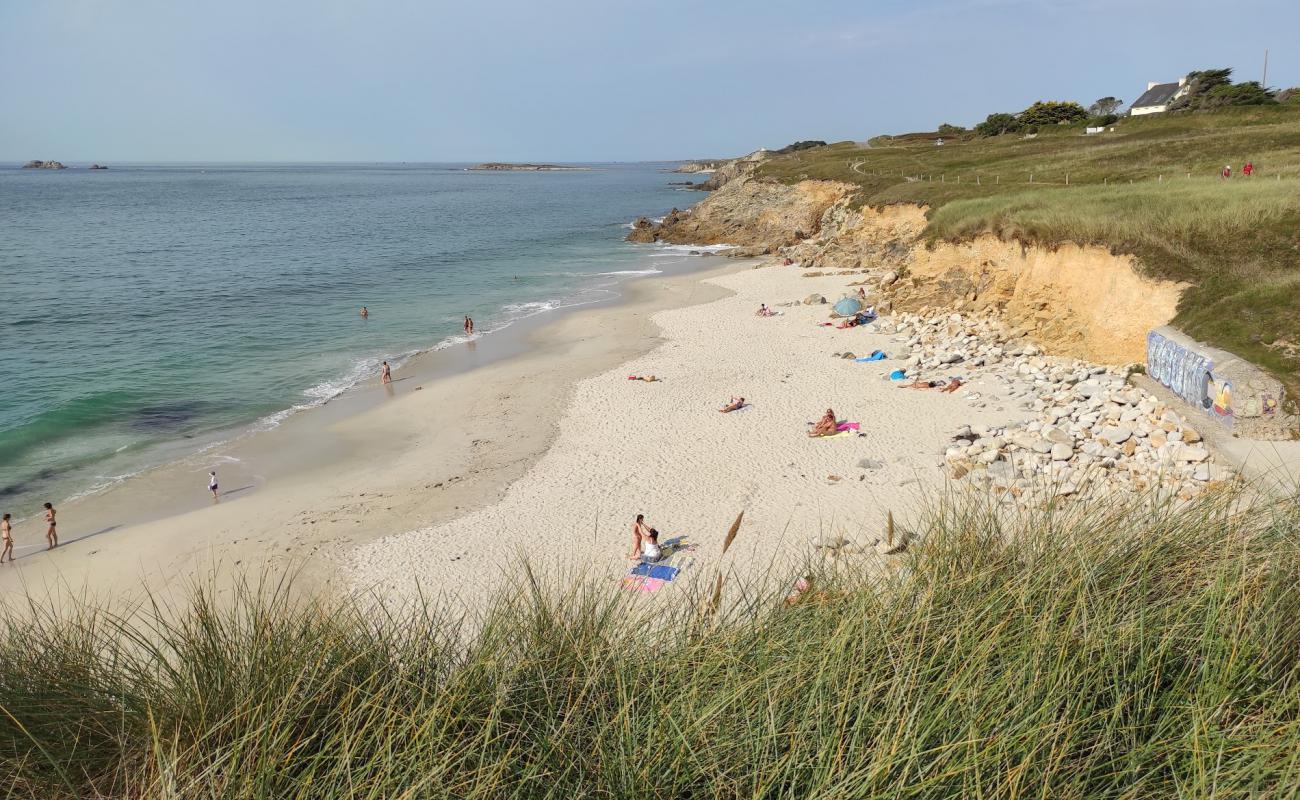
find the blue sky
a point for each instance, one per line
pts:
(401, 80)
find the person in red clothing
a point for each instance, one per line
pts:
(1249, 168)
(1227, 171)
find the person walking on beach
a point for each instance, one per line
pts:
(387, 375)
(469, 326)
(6, 540)
(51, 527)
(212, 484)
(365, 312)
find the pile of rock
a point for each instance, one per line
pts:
(1092, 427)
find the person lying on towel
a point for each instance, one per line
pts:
(736, 404)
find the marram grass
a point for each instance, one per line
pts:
(1129, 650)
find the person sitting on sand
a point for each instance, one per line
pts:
(651, 552)
(764, 311)
(641, 533)
(828, 425)
(736, 404)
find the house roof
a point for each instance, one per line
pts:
(1157, 95)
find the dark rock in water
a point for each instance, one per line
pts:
(643, 230)
(695, 253)
(98, 166)
(43, 165)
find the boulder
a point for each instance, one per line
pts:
(813, 300)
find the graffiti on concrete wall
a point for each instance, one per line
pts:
(1190, 375)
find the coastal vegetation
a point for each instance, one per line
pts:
(1127, 649)
(1149, 187)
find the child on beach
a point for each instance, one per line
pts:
(6, 540)
(645, 541)
(212, 484)
(51, 532)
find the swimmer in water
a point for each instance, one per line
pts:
(365, 312)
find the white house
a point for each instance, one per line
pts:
(1157, 97)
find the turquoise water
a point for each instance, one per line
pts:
(147, 307)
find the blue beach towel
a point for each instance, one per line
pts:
(662, 572)
(878, 355)
(897, 375)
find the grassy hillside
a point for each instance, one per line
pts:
(1117, 650)
(1150, 188)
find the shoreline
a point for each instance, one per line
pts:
(323, 459)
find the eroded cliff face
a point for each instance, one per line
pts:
(1076, 301)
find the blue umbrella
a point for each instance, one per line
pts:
(848, 306)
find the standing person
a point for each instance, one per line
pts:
(641, 533)
(1248, 169)
(51, 527)
(469, 326)
(212, 484)
(387, 375)
(1227, 171)
(6, 540)
(365, 312)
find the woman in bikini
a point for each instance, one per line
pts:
(51, 532)
(6, 540)
(387, 375)
(826, 426)
(736, 404)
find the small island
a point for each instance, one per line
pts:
(497, 166)
(98, 166)
(34, 164)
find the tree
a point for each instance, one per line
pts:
(997, 124)
(1051, 112)
(1105, 106)
(951, 130)
(1246, 93)
(1199, 84)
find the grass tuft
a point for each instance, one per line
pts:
(1105, 650)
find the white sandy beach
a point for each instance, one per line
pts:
(626, 447)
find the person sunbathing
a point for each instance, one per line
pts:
(953, 385)
(923, 384)
(826, 426)
(646, 378)
(736, 404)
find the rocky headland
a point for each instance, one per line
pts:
(1061, 331)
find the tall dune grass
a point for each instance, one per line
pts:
(1106, 651)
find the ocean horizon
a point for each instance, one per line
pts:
(155, 310)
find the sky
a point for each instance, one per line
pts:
(562, 80)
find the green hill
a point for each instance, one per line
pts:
(1148, 186)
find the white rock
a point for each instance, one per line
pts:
(1061, 452)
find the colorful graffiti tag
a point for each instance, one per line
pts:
(1190, 375)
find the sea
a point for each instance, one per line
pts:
(152, 310)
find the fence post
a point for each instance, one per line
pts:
(1160, 178)
(1031, 177)
(997, 179)
(943, 178)
(1067, 179)
(977, 180)
(959, 179)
